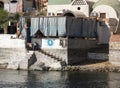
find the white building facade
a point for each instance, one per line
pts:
(109, 9)
(68, 8)
(11, 6)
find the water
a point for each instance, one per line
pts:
(55, 79)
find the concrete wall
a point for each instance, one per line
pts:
(58, 9)
(78, 49)
(114, 50)
(51, 43)
(7, 42)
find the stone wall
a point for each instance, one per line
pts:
(13, 58)
(17, 59)
(13, 52)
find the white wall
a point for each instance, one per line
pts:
(7, 42)
(59, 9)
(51, 44)
(110, 12)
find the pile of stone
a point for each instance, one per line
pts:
(98, 67)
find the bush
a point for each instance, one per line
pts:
(3, 16)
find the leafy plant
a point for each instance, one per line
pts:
(17, 16)
(3, 16)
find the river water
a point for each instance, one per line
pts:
(56, 79)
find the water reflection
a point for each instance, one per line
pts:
(41, 79)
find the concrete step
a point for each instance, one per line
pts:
(46, 62)
(52, 55)
(45, 59)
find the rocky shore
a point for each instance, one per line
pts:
(91, 67)
(95, 67)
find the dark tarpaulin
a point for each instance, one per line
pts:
(74, 27)
(92, 28)
(65, 26)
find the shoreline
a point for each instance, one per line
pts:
(95, 67)
(105, 66)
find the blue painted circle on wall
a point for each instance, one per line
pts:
(50, 42)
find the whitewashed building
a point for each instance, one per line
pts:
(74, 8)
(12, 6)
(109, 9)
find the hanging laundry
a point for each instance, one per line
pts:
(85, 28)
(34, 25)
(22, 21)
(92, 28)
(45, 26)
(69, 22)
(61, 26)
(76, 27)
(41, 19)
(52, 22)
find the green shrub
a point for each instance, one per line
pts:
(3, 16)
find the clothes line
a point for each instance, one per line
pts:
(64, 26)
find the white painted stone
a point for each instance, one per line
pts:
(115, 63)
(7, 42)
(56, 65)
(23, 64)
(51, 44)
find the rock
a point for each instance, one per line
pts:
(3, 66)
(56, 66)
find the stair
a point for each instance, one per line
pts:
(52, 55)
(46, 60)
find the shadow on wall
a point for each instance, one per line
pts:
(32, 60)
(83, 52)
